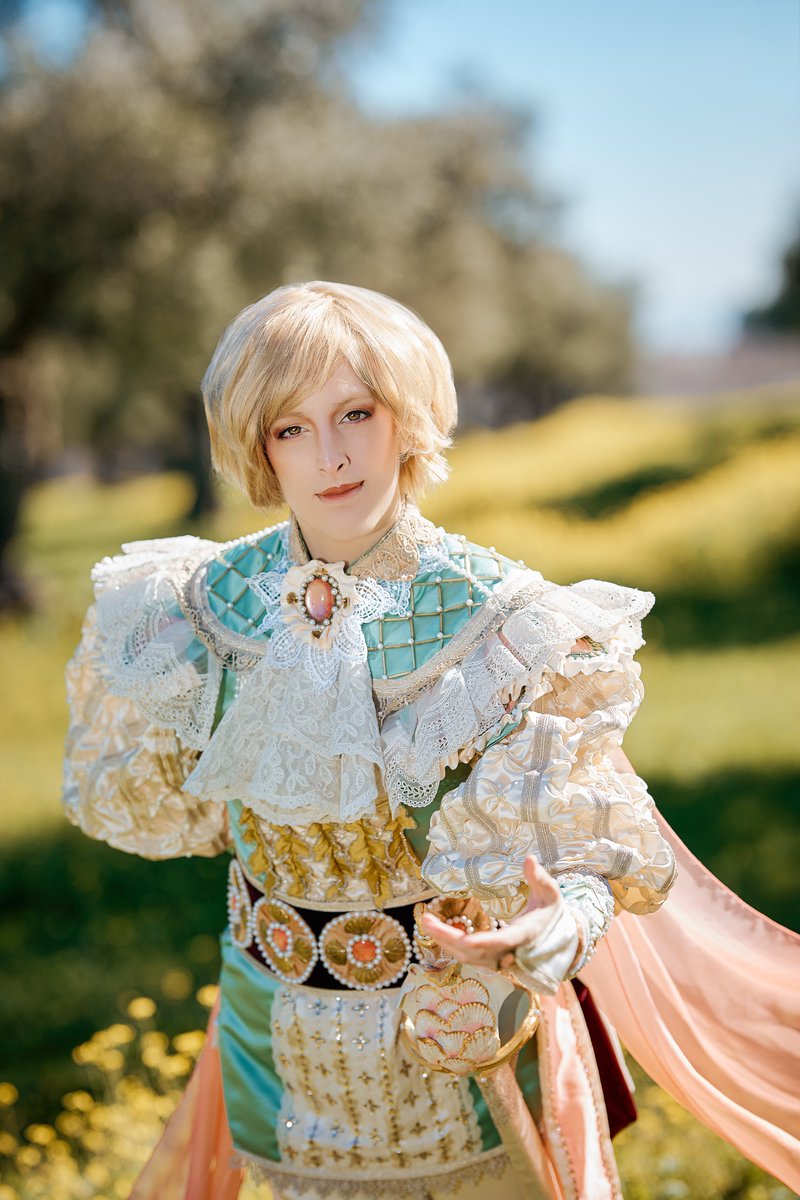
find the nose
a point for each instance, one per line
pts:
(331, 452)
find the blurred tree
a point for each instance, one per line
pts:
(191, 156)
(781, 315)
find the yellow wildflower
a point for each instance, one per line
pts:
(207, 995)
(141, 1008)
(8, 1144)
(189, 1043)
(40, 1134)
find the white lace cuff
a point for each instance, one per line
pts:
(590, 900)
(565, 948)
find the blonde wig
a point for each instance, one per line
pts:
(288, 344)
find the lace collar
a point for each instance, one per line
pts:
(395, 556)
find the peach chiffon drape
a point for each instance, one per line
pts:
(705, 994)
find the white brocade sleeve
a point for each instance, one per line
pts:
(123, 772)
(550, 789)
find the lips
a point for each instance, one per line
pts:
(344, 489)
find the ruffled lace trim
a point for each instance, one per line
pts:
(301, 741)
(149, 651)
(292, 754)
(489, 690)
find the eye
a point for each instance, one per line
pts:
(289, 432)
(356, 415)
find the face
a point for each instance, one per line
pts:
(336, 458)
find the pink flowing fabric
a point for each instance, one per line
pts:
(705, 994)
(577, 1141)
(193, 1159)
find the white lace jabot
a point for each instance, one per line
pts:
(301, 740)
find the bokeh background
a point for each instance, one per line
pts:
(597, 207)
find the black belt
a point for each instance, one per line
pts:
(365, 950)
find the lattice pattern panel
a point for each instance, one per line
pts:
(440, 603)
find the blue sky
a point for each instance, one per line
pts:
(670, 127)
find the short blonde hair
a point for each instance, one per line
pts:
(289, 343)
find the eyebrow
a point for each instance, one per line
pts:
(343, 403)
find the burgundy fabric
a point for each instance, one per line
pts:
(620, 1107)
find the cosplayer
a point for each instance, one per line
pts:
(410, 747)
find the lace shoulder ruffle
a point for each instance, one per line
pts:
(588, 628)
(150, 654)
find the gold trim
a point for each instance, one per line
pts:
(372, 850)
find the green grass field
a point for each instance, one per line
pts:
(700, 505)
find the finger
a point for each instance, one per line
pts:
(543, 889)
(435, 927)
(487, 946)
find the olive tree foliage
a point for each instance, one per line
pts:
(193, 155)
(781, 315)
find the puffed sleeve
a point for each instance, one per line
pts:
(549, 787)
(142, 692)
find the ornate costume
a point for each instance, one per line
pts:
(364, 740)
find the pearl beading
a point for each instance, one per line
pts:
(238, 904)
(397, 930)
(336, 598)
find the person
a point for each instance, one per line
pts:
(410, 746)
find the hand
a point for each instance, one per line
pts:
(496, 949)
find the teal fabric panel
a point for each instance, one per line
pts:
(250, 1082)
(440, 603)
(418, 836)
(527, 1076)
(227, 691)
(230, 598)
(490, 1138)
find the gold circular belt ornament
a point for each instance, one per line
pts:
(284, 939)
(240, 910)
(365, 950)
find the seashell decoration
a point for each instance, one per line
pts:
(454, 1027)
(470, 991)
(430, 1024)
(473, 1016)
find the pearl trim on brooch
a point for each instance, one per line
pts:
(239, 906)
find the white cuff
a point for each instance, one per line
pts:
(582, 919)
(589, 898)
(549, 958)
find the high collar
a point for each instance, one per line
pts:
(395, 555)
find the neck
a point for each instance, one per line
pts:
(348, 550)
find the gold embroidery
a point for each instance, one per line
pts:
(298, 1044)
(373, 850)
(260, 859)
(344, 1077)
(387, 1088)
(327, 850)
(367, 950)
(285, 940)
